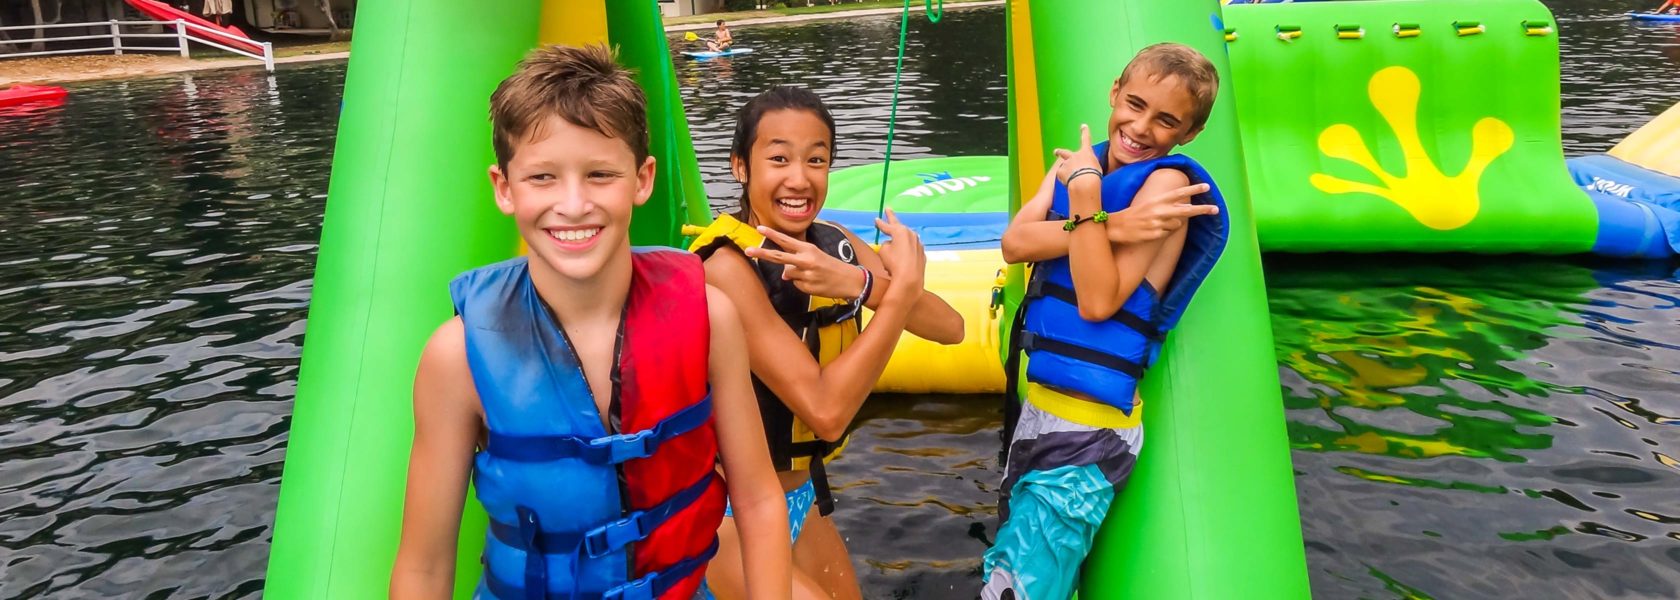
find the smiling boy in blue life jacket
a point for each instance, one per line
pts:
(600, 385)
(1120, 236)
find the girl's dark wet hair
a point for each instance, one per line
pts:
(781, 97)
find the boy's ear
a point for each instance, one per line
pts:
(1114, 94)
(644, 181)
(504, 194)
(739, 168)
(1190, 137)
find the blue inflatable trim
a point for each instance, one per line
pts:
(939, 231)
(1638, 209)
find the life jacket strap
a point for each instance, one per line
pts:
(830, 315)
(817, 450)
(609, 450)
(527, 535)
(1040, 287)
(648, 587)
(1032, 342)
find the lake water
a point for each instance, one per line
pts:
(1464, 427)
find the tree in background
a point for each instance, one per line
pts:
(35, 5)
(5, 40)
(40, 20)
(332, 23)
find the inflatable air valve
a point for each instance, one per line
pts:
(1466, 28)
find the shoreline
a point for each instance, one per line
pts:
(99, 67)
(861, 12)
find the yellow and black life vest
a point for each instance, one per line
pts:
(827, 325)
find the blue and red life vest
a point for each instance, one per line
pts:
(577, 511)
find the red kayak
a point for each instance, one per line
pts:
(25, 94)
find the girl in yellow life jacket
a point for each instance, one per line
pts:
(800, 285)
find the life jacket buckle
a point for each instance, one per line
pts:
(640, 589)
(606, 539)
(1029, 341)
(625, 446)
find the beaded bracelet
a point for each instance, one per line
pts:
(1100, 216)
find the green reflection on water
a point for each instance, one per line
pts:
(1427, 342)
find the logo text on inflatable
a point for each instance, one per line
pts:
(1607, 186)
(943, 183)
(1436, 200)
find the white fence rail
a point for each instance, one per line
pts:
(185, 32)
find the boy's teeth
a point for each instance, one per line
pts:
(575, 235)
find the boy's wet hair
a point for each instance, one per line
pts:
(781, 97)
(583, 85)
(1190, 67)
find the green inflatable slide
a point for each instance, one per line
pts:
(1418, 126)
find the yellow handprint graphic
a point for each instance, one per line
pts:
(1433, 198)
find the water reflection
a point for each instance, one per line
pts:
(155, 250)
(1454, 430)
(1466, 427)
(1393, 356)
(952, 100)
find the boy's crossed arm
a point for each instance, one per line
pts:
(1152, 215)
(1106, 266)
(1105, 275)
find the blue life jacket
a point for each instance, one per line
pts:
(1104, 361)
(577, 511)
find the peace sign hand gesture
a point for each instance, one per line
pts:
(808, 268)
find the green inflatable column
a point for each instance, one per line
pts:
(637, 30)
(1210, 513)
(409, 207)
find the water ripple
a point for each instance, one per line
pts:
(145, 409)
(1464, 427)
